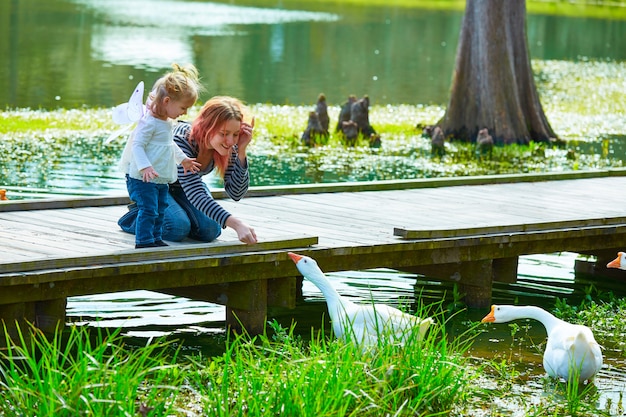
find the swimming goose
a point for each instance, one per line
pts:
(567, 343)
(361, 323)
(619, 262)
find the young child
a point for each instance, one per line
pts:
(151, 157)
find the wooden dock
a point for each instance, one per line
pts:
(469, 230)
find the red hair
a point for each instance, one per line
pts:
(215, 112)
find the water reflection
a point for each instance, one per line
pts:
(74, 53)
(146, 48)
(158, 33)
(136, 310)
(277, 43)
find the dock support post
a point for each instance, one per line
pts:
(598, 269)
(282, 292)
(50, 315)
(475, 280)
(14, 318)
(505, 269)
(46, 315)
(246, 302)
(603, 257)
(246, 308)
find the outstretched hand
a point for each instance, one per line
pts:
(190, 164)
(245, 233)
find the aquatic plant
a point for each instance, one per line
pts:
(88, 371)
(84, 372)
(282, 375)
(603, 312)
(61, 151)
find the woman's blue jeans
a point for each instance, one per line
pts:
(181, 219)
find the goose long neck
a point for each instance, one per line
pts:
(539, 314)
(323, 283)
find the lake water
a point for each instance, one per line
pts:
(75, 53)
(144, 314)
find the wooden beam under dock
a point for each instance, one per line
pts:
(470, 231)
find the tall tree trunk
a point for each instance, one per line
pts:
(492, 84)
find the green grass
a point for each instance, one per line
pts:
(283, 375)
(14, 122)
(602, 312)
(276, 373)
(89, 372)
(84, 374)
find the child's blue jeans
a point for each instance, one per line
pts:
(151, 202)
(181, 220)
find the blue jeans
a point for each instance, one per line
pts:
(151, 202)
(181, 220)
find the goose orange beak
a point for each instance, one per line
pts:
(294, 257)
(615, 263)
(490, 318)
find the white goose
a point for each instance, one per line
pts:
(362, 323)
(619, 262)
(569, 347)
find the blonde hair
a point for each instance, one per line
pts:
(182, 83)
(215, 112)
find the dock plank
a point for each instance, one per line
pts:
(129, 256)
(339, 218)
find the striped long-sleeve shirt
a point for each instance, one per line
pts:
(236, 177)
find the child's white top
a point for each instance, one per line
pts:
(152, 144)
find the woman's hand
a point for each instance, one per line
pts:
(245, 136)
(245, 233)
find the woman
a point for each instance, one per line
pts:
(217, 139)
